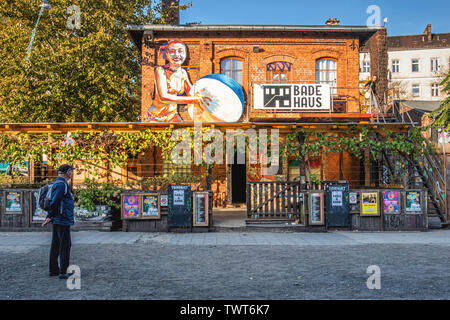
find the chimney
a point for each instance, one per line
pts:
(332, 22)
(427, 32)
(170, 8)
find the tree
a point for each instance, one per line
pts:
(85, 74)
(441, 116)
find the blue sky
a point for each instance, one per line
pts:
(404, 17)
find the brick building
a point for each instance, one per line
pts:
(271, 55)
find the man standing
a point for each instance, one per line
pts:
(61, 215)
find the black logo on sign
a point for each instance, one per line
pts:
(277, 96)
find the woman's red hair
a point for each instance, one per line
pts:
(163, 48)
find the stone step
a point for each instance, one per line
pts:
(434, 222)
(268, 221)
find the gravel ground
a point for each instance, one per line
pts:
(149, 269)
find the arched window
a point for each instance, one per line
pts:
(232, 68)
(279, 71)
(326, 72)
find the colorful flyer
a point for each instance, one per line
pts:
(164, 200)
(413, 202)
(130, 206)
(150, 207)
(391, 202)
(13, 202)
(353, 198)
(369, 203)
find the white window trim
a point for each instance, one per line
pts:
(432, 64)
(412, 89)
(418, 64)
(397, 65)
(435, 87)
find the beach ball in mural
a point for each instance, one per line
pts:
(227, 96)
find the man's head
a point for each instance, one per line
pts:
(65, 171)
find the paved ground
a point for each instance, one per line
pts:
(413, 265)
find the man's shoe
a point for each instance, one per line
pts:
(53, 274)
(66, 275)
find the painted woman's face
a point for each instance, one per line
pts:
(176, 54)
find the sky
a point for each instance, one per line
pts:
(404, 17)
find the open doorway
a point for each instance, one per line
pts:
(238, 182)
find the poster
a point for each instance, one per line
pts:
(130, 206)
(178, 197)
(150, 206)
(201, 211)
(413, 202)
(353, 198)
(13, 202)
(164, 200)
(391, 202)
(336, 198)
(316, 208)
(37, 214)
(369, 203)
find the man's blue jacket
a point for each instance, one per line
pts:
(61, 205)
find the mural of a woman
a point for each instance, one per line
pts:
(173, 87)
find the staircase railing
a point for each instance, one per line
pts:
(432, 173)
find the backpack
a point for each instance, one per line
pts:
(45, 195)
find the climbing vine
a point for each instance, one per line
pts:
(356, 142)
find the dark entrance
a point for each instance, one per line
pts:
(238, 182)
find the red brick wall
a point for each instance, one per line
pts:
(206, 50)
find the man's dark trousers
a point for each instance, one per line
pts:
(61, 244)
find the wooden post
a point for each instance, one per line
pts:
(209, 178)
(301, 164)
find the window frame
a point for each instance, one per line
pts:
(232, 70)
(412, 90)
(366, 66)
(395, 66)
(287, 72)
(333, 90)
(435, 92)
(418, 65)
(434, 66)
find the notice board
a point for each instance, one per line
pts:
(179, 206)
(337, 206)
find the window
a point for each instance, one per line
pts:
(279, 71)
(435, 90)
(366, 66)
(415, 65)
(232, 68)
(434, 64)
(326, 72)
(170, 169)
(395, 66)
(415, 90)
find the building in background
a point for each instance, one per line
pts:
(416, 65)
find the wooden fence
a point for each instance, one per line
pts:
(286, 200)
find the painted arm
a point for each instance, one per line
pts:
(161, 86)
